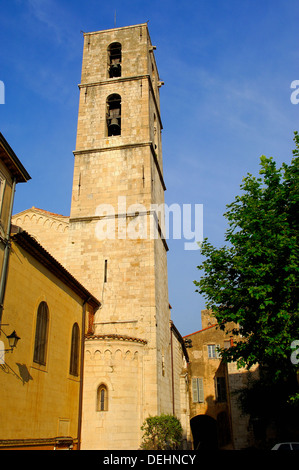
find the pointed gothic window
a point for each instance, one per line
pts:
(114, 60)
(113, 115)
(74, 362)
(102, 398)
(41, 334)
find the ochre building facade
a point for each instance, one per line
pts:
(216, 418)
(44, 316)
(40, 380)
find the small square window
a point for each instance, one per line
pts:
(197, 390)
(213, 351)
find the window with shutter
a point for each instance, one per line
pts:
(197, 390)
(213, 351)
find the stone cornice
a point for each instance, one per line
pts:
(126, 146)
(115, 337)
(42, 213)
(91, 218)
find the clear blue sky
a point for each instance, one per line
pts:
(227, 68)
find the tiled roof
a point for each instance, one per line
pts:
(117, 337)
(48, 212)
(28, 243)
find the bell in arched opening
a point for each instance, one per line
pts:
(114, 60)
(113, 127)
(114, 115)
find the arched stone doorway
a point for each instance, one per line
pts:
(204, 432)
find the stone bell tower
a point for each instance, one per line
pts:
(113, 250)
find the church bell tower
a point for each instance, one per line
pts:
(115, 244)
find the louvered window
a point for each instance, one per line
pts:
(197, 390)
(213, 351)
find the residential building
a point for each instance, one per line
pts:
(216, 417)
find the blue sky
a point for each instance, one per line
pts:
(227, 67)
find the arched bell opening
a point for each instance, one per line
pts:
(114, 60)
(113, 115)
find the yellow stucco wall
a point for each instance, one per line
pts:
(38, 402)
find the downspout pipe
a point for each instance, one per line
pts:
(81, 374)
(6, 251)
(172, 375)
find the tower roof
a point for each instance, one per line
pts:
(117, 29)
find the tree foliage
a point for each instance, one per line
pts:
(162, 432)
(253, 280)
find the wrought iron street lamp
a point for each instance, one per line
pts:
(13, 339)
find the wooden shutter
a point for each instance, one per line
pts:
(200, 390)
(194, 391)
(220, 388)
(197, 390)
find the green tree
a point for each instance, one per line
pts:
(253, 280)
(162, 432)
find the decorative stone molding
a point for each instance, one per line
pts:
(116, 337)
(42, 218)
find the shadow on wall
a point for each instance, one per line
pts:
(209, 433)
(204, 432)
(23, 374)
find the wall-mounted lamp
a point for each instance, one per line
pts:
(13, 339)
